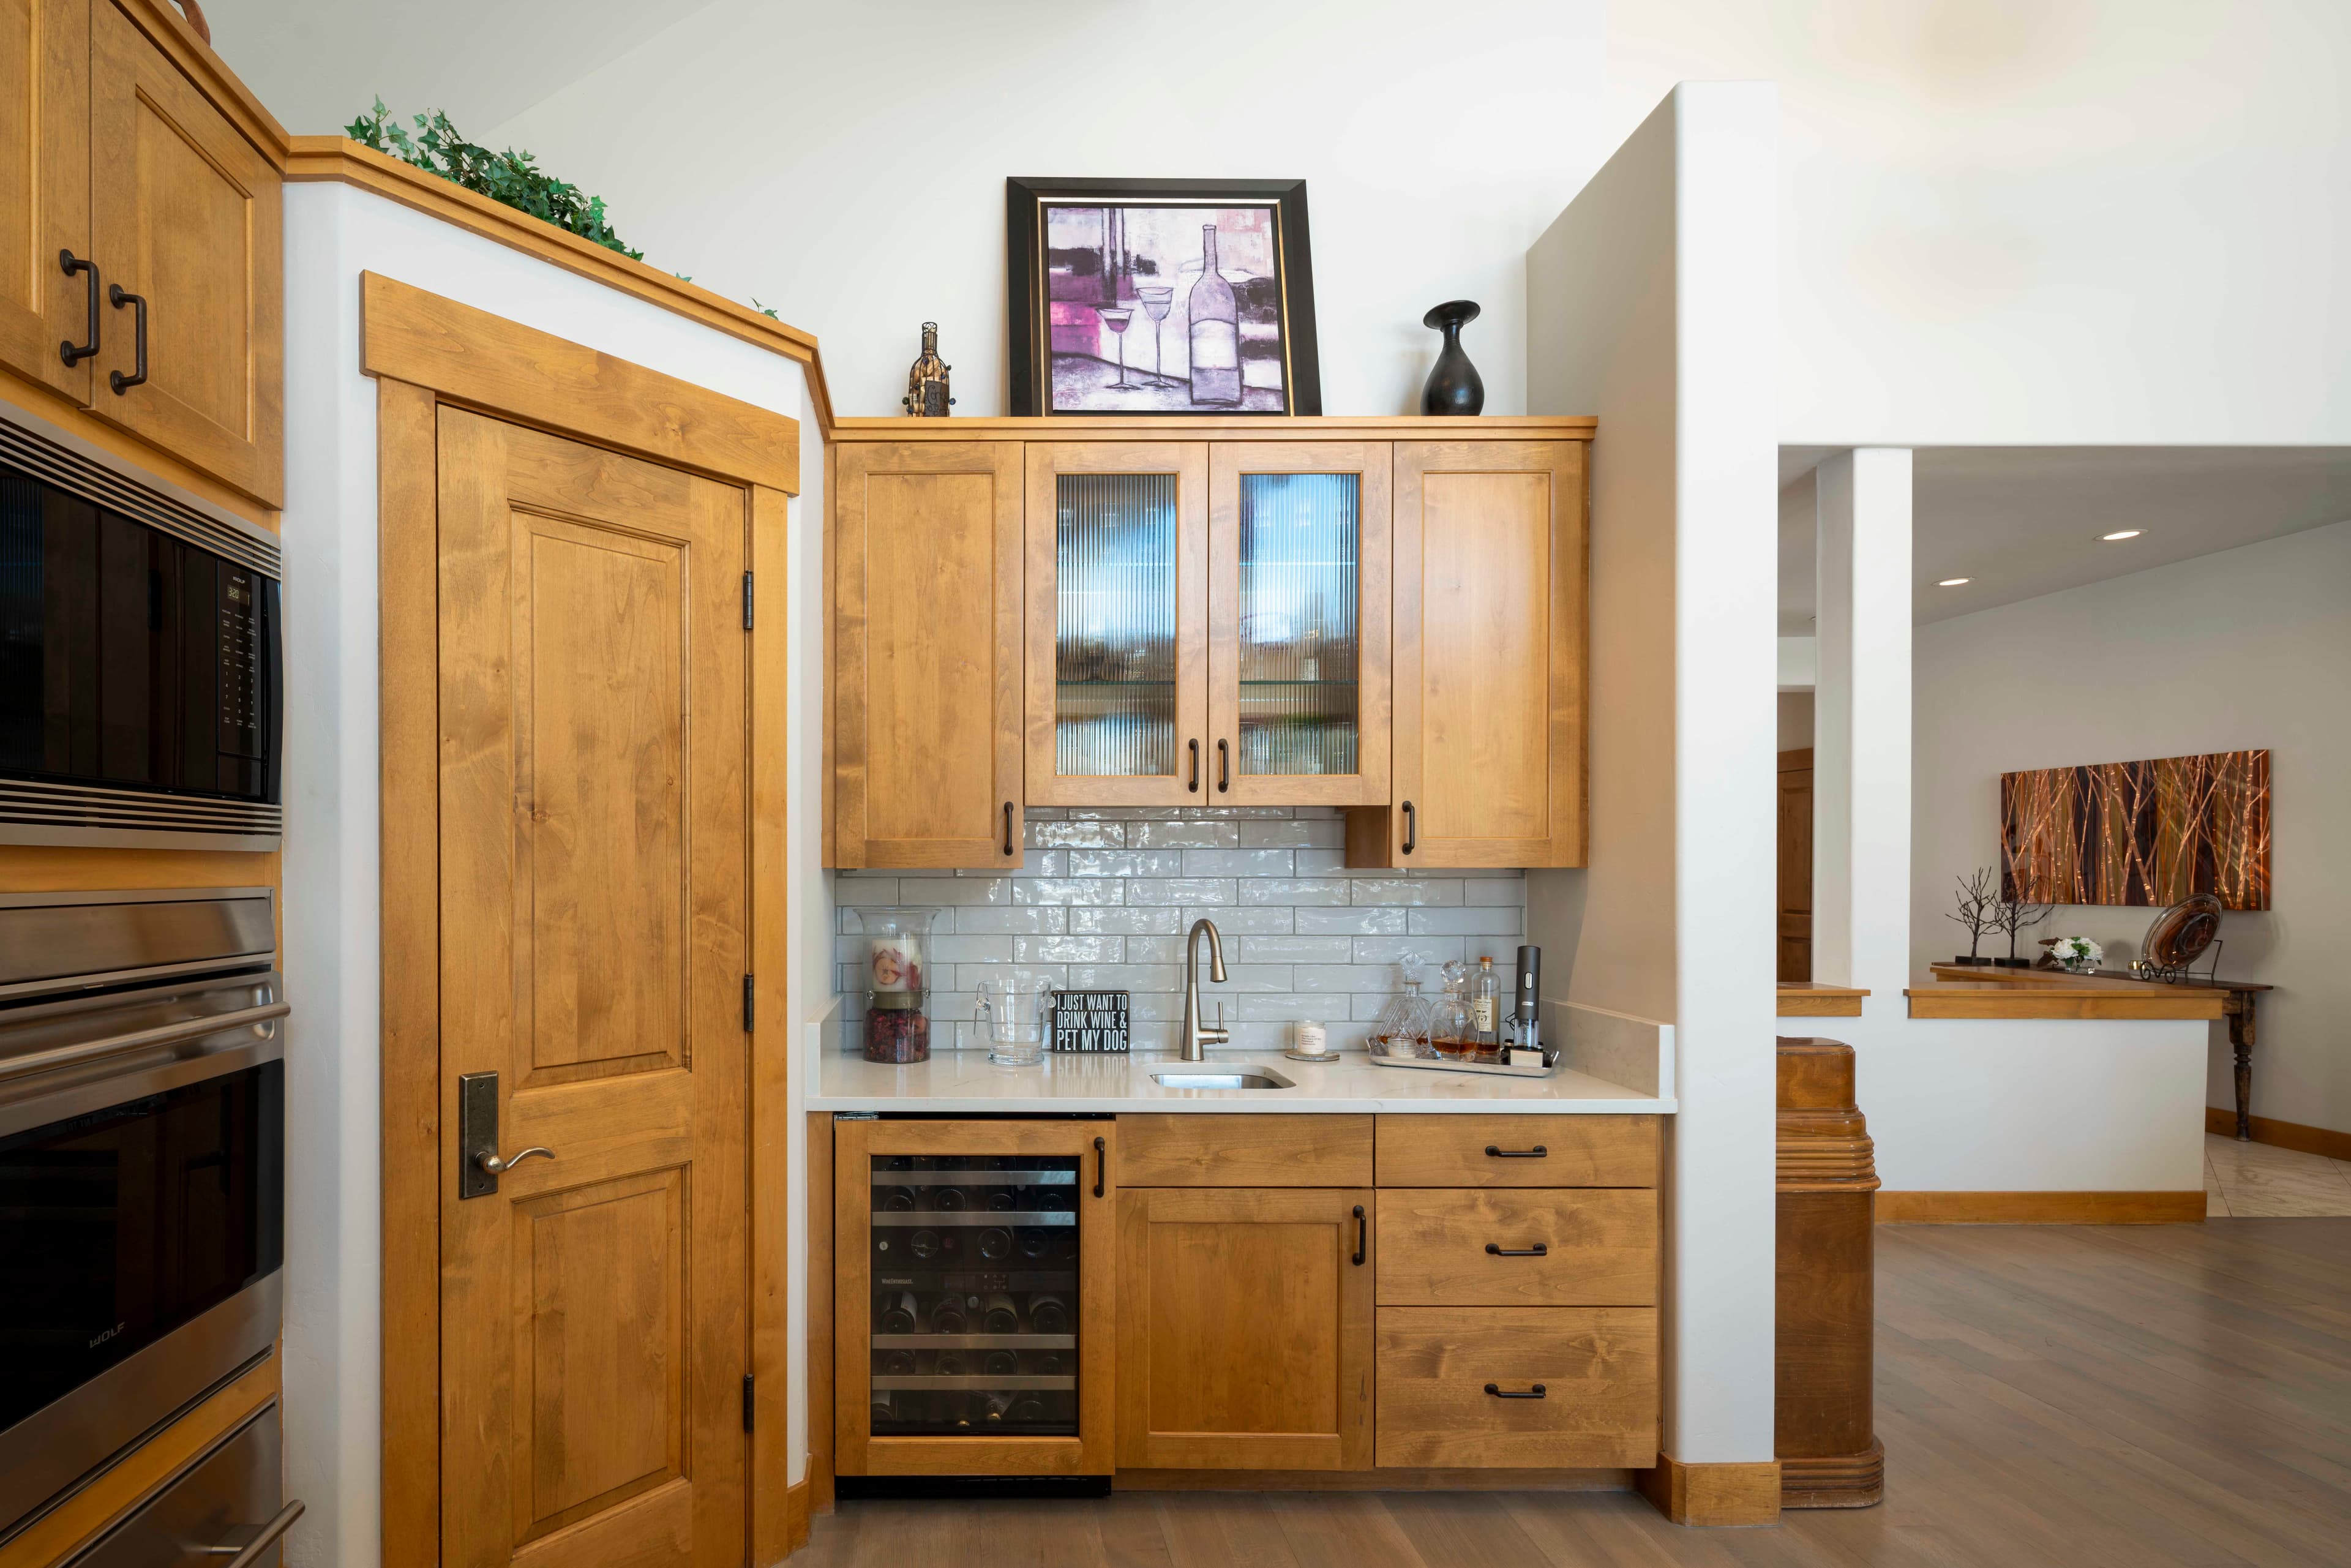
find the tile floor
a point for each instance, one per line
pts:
(2249, 1181)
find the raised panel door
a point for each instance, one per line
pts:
(594, 814)
(186, 215)
(1245, 1329)
(1117, 589)
(44, 189)
(1489, 657)
(1298, 622)
(927, 643)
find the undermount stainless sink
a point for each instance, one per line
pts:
(1221, 1078)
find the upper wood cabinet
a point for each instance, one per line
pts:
(1292, 612)
(45, 189)
(1489, 659)
(926, 644)
(114, 155)
(187, 216)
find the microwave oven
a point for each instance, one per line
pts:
(140, 680)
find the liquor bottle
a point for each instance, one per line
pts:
(1451, 1028)
(1000, 1316)
(946, 1317)
(1049, 1363)
(897, 1199)
(1051, 1200)
(999, 1199)
(994, 1244)
(926, 380)
(949, 1199)
(1002, 1364)
(998, 1407)
(1065, 1247)
(1035, 1243)
(882, 1411)
(898, 1364)
(898, 1313)
(1027, 1410)
(1485, 1004)
(1048, 1315)
(1216, 346)
(923, 1245)
(949, 1365)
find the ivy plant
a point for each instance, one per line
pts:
(514, 179)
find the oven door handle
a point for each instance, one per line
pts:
(251, 1552)
(140, 1039)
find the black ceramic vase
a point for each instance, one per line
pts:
(1453, 385)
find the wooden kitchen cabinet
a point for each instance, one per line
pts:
(927, 644)
(186, 215)
(1488, 740)
(45, 189)
(899, 1408)
(1496, 1388)
(1245, 1329)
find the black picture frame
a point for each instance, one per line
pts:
(1027, 372)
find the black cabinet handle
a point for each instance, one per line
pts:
(66, 349)
(1223, 768)
(1194, 785)
(1007, 827)
(1101, 1166)
(1411, 827)
(1538, 1250)
(1495, 1152)
(121, 297)
(1535, 1393)
(1363, 1234)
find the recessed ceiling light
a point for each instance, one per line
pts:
(2123, 534)
(1954, 581)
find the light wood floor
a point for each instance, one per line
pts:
(2261, 1181)
(2131, 1396)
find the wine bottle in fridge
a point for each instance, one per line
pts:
(1216, 332)
(1000, 1316)
(898, 1313)
(1047, 1315)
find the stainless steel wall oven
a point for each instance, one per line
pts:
(143, 1129)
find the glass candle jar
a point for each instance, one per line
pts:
(896, 944)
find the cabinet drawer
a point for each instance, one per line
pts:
(1177, 1150)
(1597, 1367)
(1498, 1151)
(1599, 1248)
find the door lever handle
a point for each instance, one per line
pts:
(496, 1166)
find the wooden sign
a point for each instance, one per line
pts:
(1090, 1020)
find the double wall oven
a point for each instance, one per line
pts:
(143, 1129)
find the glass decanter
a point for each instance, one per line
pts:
(1402, 1028)
(1452, 1030)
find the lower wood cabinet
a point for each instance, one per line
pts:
(1502, 1388)
(1245, 1329)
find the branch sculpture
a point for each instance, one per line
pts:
(1977, 901)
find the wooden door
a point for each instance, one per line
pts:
(1245, 1329)
(186, 215)
(593, 821)
(1796, 865)
(927, 645)
(864, 1274)
(1298, 622)
(44, 189)
(1118, 609)
(1489, 652)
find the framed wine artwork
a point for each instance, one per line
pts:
(1151, 297)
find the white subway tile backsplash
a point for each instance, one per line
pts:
(1105, 896)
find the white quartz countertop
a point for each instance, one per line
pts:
(966, 1081)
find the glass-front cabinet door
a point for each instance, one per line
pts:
(1298, 623)
(1117, 624)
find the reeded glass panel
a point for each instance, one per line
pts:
(975, 1324)
(1300, 580)
(1114, 651)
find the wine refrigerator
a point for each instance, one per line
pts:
(973, 1332)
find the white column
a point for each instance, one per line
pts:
(1861, 719)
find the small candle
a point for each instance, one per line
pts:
(1311, 1037)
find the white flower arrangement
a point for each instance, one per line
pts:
(2076, 954)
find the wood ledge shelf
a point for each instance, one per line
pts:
(2050, 994)
(1807, 999)
(1220, 427)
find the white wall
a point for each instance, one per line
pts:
(848, 161)
(1649, 304)
(2248, 648)
(333, 1229)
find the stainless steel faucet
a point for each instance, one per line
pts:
(1195, 1036)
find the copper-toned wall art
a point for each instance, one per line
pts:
(2139, 833)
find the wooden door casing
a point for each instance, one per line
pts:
(1796, 865)
(593, 911)
(1373, 460)
(1245, 1328)
(1047, 461)
(1488, 752)
(44, 189)
(188, 215)
(928, 647)
(856, 1451)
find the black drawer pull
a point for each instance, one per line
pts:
(137, 302)
(1007, 828)
(1101, 1166)
(74, 353)
(1535, 1393)
(1193, 786)
(1363, 1234)
(1496, 1151)
(1538, 1250)
(1411, 827)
